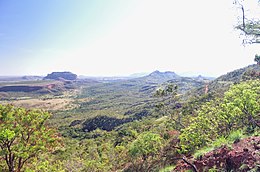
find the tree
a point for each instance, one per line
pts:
(23, 136)
(242, 105)
(248, 25)
(257, 59)
(170, 93)
(145, 146)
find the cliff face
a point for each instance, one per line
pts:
(61, 76)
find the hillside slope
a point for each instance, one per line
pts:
(222, 83)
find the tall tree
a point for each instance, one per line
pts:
(23, 135)
(170, 93)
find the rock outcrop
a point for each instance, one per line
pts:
(61, 76)
(243, 156)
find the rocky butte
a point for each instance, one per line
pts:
(61, 76)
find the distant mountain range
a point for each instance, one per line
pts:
(156, 75)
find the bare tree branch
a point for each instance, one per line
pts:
(249, 27)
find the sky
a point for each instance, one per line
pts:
(119, 37)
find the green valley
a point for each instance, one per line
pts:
(129, 86)
(140, 124)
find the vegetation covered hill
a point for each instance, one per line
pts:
(222, 83)
(149, 123)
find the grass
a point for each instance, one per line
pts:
(219, 142)
(49, 104)
(202, 151)
(167, 169)
(28, 83)
(233, 137)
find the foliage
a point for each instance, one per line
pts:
(169, 90)
(45, 166)
(99, 154)
(145, 145)
(170, 97)
(23, 135)
(202, 128)
(239, 107)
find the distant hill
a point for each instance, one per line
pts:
(32, 78)
(137, 75)
(159, 77)
(61, 76)
(163, 78)
(20, 78)
(34, 86)
(167, 74)
(200, 77)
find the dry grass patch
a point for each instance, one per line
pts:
(48, 104)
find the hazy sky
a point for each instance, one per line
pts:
(120, 37)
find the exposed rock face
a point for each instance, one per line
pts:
(243, 156)
(61, 76)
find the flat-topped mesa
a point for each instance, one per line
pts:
(61, 76)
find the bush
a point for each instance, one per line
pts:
(239, 107)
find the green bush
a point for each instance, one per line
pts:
(239, 107)
(145, 145)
